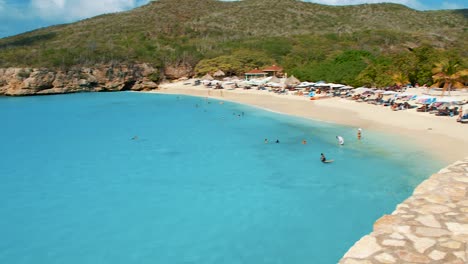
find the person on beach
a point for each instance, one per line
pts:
(359, 133)
(322, 157)
(460, 114)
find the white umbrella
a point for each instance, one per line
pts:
(335, 85)
(447, 99)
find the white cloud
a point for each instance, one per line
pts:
(70, 10)
(410, 3)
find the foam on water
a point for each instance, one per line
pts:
(198, 185)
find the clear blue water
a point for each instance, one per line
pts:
(198, 185)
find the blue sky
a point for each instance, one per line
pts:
(17, 16)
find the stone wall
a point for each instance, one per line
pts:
(429, 227)
(36, 81)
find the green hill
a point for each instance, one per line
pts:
(298, 35)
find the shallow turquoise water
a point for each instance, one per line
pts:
(198, 185)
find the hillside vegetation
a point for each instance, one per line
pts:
(310, 40)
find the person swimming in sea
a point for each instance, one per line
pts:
(277, 141)
(322, 158)
(134, 137)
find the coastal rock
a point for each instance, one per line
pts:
(28, 81)
(437, 255)
(364, 248)
(451, 244)
(458, 228)
(412, 257)
(394, 243)
(428, 220)
(178, 71)
(386, 223)
(421, 244)
(431, 232)
(385, 258)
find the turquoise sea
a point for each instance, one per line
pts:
(197, 184)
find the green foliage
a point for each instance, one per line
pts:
(237, 63)
(361, 44)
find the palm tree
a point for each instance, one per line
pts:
(449, 74)
(400, 79)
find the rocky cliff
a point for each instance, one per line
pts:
(30, 81)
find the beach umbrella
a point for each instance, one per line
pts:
(274, 79)
(292, 81)
(362, 90)
(336, 85)
(207, 77)
(219, 73)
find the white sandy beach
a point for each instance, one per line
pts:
(446, 139)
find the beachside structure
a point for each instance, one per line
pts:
(274, 70)
(256, 73)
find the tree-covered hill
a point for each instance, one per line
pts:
(298, 35)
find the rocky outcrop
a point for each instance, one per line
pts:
(29, 81)
(429, 227)
(178, 71)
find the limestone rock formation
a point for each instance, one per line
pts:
(28, 81)
(174, 72)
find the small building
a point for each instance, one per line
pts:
(256, 73)
(274, 71)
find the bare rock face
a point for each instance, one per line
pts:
(178, 71)
(27, 81)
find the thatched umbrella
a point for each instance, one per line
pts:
(219, 73)
(275, 79)
(292, 81)
(207, 77)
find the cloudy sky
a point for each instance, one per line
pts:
(17, 16)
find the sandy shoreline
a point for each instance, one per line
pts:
(443, 137)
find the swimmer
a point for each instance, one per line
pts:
(359, 133)
(304, 142)
(277, 141)
(266, 140)
(134, 137)
(322, 157)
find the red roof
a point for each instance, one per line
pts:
(273, 68)
(255, 71)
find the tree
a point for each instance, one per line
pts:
(450, 74)
(400, 79)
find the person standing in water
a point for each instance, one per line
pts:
(359, 133)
